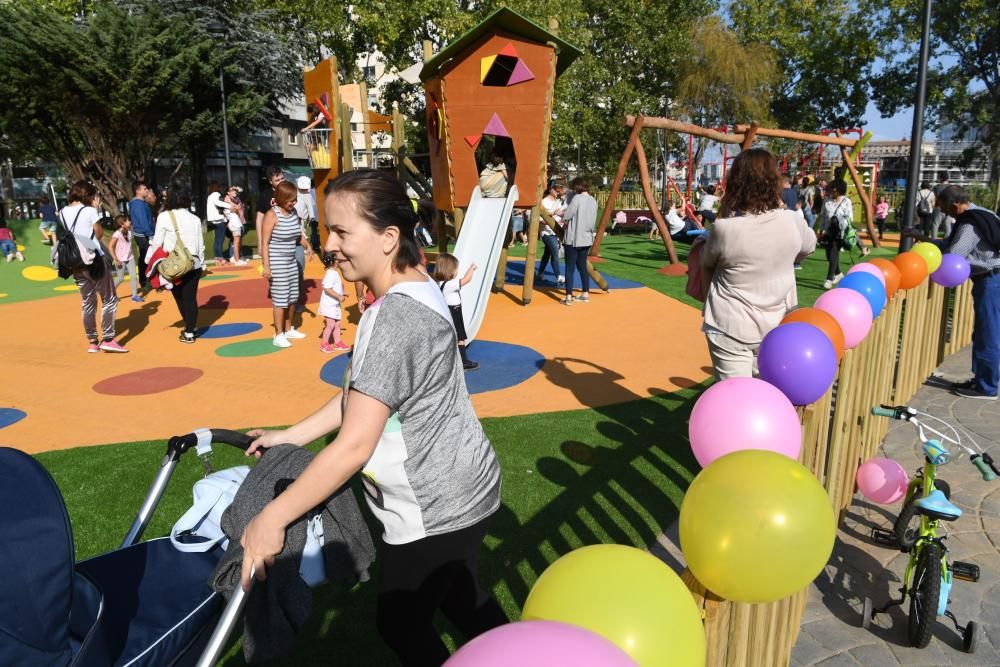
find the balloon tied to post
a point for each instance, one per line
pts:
(755, 525)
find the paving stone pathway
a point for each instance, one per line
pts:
(831, 634)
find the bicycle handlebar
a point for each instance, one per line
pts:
(985, 465)
(885, 412)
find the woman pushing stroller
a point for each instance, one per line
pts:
(405, 421)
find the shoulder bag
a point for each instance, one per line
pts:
(179, 261)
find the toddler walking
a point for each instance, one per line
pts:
(121, 252)
(446, 276)
(329, 307)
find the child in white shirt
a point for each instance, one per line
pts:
(330, 308)
(446, 276)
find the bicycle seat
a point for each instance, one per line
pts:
(936, 506)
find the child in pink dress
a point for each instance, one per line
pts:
(330, 307)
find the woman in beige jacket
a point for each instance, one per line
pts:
(748, 261)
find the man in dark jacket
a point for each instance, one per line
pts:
(976, 237)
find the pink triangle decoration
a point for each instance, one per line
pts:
(508, 51)
(520, 74)
(495, 128)
(473, 139)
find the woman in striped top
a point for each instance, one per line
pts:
(280, 230)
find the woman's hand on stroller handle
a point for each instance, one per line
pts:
(263, 439)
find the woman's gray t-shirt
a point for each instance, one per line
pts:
(433, 470)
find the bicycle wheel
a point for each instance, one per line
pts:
(907, 525)
(924, 594)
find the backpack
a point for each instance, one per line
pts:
(924, 205)
(179, 261)
(68, 257)
(850, 238)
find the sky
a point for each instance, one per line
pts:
(889, 129)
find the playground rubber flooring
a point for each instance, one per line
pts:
(544, 357)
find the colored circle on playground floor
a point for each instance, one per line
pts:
(250, 293)
(20, 248)
(10, 416)
(501, 365)
(230, 330)
(248, 348)
(148, 381)
(66, 288)
(217, 276)
(39, 273)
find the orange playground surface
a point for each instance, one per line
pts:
(643, 341)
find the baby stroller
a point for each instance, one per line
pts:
(145, 603)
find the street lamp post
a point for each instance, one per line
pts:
(917, 133)
(220, 30)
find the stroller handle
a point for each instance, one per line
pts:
(179, 444)
(176, 447)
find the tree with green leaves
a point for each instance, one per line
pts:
(721, 81)
(827, 52)
(963, 78)
(132, 82)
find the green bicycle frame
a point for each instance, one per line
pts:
(928, 525)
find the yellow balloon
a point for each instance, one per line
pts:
(756, 526)
(931, 254)
(627, 596)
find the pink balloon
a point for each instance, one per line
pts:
(868, 268)
(852, 312)
(540, 644)
(882, 480)
(743, 413)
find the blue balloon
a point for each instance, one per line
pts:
(798, 359)
(869, 287)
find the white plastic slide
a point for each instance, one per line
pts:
(480, 242)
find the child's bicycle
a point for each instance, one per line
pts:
(929, 575)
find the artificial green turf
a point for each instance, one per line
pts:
(12, 283)
(610, 474)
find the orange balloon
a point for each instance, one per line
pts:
(912, 269)
(891, 273)
(823, 321)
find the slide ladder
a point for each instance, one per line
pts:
(480, 241)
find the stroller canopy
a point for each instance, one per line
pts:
(36, 558)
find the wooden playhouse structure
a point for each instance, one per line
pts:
(496, 80)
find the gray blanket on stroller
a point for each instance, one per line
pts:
(277, 608)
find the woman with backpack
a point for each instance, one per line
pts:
(176, 224)
(836, 224)
(81, 218)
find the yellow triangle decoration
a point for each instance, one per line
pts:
(484, 67)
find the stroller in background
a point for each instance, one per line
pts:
(146, 603)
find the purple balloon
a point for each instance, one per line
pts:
(954, 270)
(798, 359)
(540, 644)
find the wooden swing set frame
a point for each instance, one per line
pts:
(743, 136)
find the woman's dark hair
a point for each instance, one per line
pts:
(710, 190)
(178, 196)
(839, 187)
(43, 200)
(753, 184)
(924, 185)
(580, 184)
(214, 186)
(381, 200)
(83, 192)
